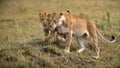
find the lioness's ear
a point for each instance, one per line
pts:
(68, 11)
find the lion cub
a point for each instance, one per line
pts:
(45, 19)
(71, 25)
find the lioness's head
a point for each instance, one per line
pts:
(57, 19)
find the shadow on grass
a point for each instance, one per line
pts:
(33, 42)
(39, 42)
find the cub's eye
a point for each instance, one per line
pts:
(54, 20)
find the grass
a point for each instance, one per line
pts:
(22, 39)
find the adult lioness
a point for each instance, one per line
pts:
(45, 18)
(79, 27)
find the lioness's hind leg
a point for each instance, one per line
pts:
(97, 48)
(81, 43)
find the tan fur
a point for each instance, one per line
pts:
(79, 27)
(45, 19)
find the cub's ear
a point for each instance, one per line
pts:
(46, 13)
(40, 14)
(49, 15)
(68, 11)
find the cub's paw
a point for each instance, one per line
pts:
(47, 42)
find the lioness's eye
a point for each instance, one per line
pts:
(44, 25)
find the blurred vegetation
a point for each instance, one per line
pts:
(22, 39)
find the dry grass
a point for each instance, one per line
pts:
(21, 35)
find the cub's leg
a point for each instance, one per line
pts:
(49, 36)
(46, 32)
(80, 41)
(61, 38)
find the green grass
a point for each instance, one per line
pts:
(22, 39)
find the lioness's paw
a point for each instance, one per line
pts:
(95, 57)
(80, 50)
(66, 51)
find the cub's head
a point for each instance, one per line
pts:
(58, 19)
(44, 18)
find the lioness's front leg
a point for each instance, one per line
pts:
(68, 42)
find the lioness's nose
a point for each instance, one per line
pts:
(50, 26)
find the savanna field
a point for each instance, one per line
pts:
(22, 38)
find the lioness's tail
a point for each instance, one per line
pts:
(112, 40)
